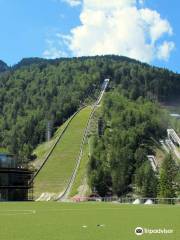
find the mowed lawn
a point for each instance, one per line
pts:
(56, 172)
(79, 221)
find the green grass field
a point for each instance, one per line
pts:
(58, 169)
(65, 221)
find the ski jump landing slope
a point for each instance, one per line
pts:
(57, 170)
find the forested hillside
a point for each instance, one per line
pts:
(37, 91)
(127, 131)
(3, 66)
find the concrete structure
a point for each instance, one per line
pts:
(175, 115)
(172, 147)
(173, 136)
(153, 162)
(103, 89)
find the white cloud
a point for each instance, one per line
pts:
(73, 3)
(52, 51)
(165, 49)
(120, 27)
(108, 5)
(157, 26)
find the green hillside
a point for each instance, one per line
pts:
(3, 66)
(37, 91)
(56, 172)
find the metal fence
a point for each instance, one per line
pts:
(128, 200)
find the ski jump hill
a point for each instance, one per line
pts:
(58, 170)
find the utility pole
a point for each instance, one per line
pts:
(49, 131)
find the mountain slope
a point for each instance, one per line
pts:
(3, 66)
(37, 91)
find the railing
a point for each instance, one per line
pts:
(127, 200)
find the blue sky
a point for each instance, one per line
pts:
(170, 10)
(53, 28)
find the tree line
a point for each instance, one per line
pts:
(127, 132)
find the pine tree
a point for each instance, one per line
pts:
(167, 178)
(146, 181)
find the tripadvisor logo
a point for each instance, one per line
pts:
(139, 231)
